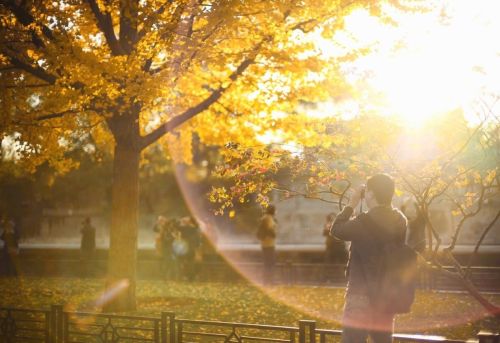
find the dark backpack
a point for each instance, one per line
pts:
(391, 274)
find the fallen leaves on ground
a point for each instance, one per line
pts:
(455, 315)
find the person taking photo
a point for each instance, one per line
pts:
(367, 309)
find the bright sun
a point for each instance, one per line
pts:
(430, 63)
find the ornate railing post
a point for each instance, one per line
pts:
(168, 321)
(179, 332)
(307, 331)
(56, 326)
(163, 327)
(488, 337)
(156, 334)
(167, 318)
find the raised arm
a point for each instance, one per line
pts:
(348, 229)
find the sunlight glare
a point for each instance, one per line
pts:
(430, 63)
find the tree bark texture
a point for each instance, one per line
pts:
(122, 261)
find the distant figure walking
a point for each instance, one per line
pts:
(10, 248)
(87, 246)
(190, 234)
(335, 251)
(160, 223)
(266, 234)
(167, 230)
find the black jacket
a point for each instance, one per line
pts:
(366, 236)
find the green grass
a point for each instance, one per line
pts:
(452, 315)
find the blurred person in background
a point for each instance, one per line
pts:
(190, 234)
(10, 250)
(335, 249)
(167, 230)
(87, 245)
(266, 234)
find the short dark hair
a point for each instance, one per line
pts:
(271, 210)
(382, 186)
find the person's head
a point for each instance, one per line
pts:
(86, 221)
(271, 210)
(379, 190)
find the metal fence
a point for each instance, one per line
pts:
(59, 326)
(18, 325)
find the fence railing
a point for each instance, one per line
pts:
(19, 325)
(59, 326)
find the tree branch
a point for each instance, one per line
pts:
(148, 22)
(291, 193)
(105, 24)
(40, 85)
(25, 18)
(202, 106)
(53, 115)
(446, 186)
(35, 71)
(480, 241)
(203, 39)
(128, 24)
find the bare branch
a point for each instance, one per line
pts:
(480, 241)
(54, 115)
(293, 193)
(105, 24)
(446, 186)
(465, 216)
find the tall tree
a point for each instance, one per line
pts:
(125, 74)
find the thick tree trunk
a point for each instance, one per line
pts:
(122, 259)
(120, 284)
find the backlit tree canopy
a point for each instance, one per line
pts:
(71, 68)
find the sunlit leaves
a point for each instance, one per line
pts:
(174, 65)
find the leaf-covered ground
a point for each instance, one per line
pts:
(454, 315)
